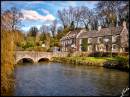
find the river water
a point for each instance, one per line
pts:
(56, 79)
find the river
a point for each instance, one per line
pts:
(56, 79)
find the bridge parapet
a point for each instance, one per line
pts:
(36, 56)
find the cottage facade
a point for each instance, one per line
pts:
(113, 39)
(70, 41)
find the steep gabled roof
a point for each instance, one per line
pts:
(71, 34)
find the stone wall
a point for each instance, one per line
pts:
(36, 56)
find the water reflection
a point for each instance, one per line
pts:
(54, 79)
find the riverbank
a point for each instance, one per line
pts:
(118, 62)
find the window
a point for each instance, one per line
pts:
(101, 47)
(89, 40)
(80, 41)
(115, 38)
(100, 39)
(96, 47)
(90, 48)
(67, 41)
(114, 47)
(70, 41)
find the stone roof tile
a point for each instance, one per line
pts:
(102, 32)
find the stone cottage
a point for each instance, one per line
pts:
(113, 39)
(70, 41)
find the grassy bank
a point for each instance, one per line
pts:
(118, 62)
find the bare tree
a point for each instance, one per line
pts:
(61, 16)
(86, 16)
(53, 27)
(107, 13)
(44, 29)
(11, 19)
(6, 20)
(67, 16)
(16, 18)
(33, 31)
(114, 11)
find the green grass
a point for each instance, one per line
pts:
(100, 59)
(120, 61)
(91, 59)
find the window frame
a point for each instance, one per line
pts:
(99, 39)
(89, 46)
(114, 48)
(89, 40)
(114, 38)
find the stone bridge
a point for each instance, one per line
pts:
(35, 56)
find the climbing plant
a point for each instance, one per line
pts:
(84, 44)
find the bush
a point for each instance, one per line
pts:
(84, 54)
(84, 44)
(50, 50)
(29, 48)
(107, 54)
(122, 60)
(28, 45)
(39, 48)
(123, 54)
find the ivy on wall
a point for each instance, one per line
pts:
(84, 44)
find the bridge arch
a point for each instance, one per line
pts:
(24, 60)
(43, 59)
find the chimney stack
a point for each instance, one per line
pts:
(89, 27)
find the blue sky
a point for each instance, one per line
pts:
(37, 13)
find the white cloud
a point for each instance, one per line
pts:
(33, 15)
(45, 11)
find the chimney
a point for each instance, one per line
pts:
(124, 24)
(89, 27)
(99, 27)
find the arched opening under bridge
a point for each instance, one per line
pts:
(43, 60)
(25, 60)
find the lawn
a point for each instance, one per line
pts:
(116, 62)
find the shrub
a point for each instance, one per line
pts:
(50, 50)
(84, 44)
(84, 54)
(123, 54)
(39, 48)
(29, 48)
(107, 54)
(28, 44)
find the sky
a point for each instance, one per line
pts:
(37, 13)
